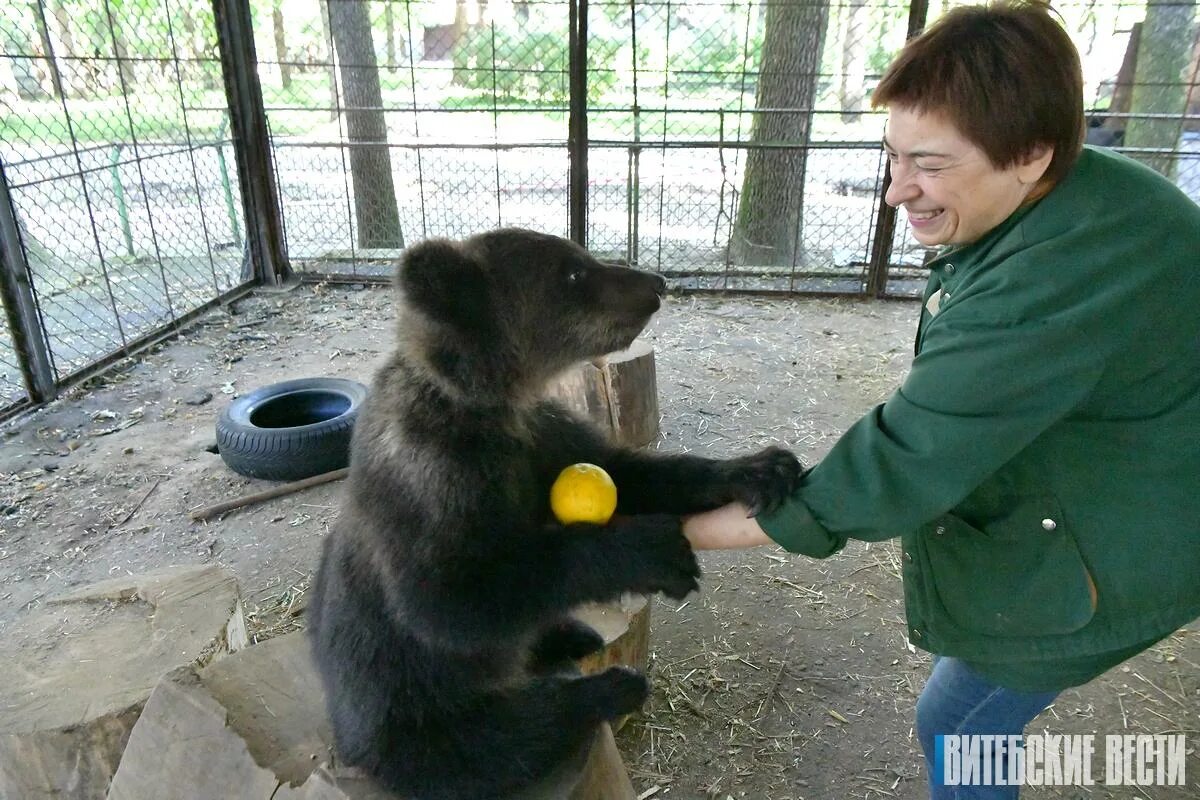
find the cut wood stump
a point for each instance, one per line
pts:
(619, 393)
(240, 729)
(604, 775)
(253, 727)
(79, 669)
(625, 627)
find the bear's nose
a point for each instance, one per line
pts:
(660, 285)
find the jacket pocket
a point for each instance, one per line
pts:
(1021, 576)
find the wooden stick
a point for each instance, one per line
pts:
(267, 494)
(141, 503)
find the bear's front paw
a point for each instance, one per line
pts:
(569, 639)
(625, 690)
(764, 480)
(674, 570)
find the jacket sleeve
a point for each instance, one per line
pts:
(977, 394)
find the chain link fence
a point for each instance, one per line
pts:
(751, 156)
(116, 153)
(1141, 69)
(728, 144)
(394, 121)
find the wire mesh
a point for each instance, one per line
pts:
(12, 386)
(394, 121)
(116, 150)
(730, 143)
(1141, 69)
(753, 158)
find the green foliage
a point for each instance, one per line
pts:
(525, 65)
(104, 120)
(886, 37)
(715, 52)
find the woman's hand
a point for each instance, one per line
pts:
(726, 528)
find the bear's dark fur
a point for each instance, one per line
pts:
(439, 613)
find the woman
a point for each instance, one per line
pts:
(1040, 461)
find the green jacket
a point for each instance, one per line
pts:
(1046, 439)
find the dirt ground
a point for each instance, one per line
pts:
(783, 679)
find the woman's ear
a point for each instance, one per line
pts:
(1033, 165)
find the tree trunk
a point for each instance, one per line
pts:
(1163, 55)
(193, 45)
(375, 209)
(461, 22)
(1122, 96)
(772, 198)
(1193, 84)
(281, 49)
(48, 51)
(854, 62)
(125, 65)
(25, 77)
(389, 24)
(327, 37)
(81, 78)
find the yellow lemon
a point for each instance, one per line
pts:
(583, 493)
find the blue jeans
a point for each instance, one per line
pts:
(957, 700)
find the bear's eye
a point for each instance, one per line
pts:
(575, 276)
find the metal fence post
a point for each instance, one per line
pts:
(119, 193)
(24, 322)
(885, 220)
(577, 136)
(223, 170)
(251, 140)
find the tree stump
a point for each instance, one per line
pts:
(624, 628)
(619, 394)
(78, 672)
(253, 726)
(604, 775)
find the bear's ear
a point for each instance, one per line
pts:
(438, 277)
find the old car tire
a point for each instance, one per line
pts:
(290, 430)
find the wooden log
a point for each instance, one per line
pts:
(619, 394)
(604, 775)
(69, 702)
(625, 627)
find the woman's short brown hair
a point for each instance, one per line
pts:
(1006, 75)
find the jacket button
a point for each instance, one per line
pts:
(1049, 524)
(949, 269)
(939, 530)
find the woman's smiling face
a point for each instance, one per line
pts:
(952, 192)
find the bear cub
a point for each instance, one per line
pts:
(439, 614)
